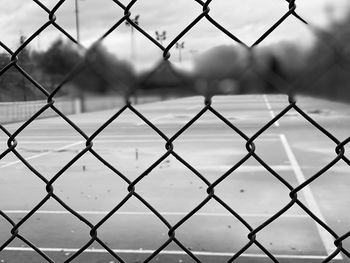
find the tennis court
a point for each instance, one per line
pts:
(291, 147)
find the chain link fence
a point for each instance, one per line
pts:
(52, 104)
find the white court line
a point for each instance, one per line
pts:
(180, 139)
(194, 107)
(47, 139)
(156, 119)
(164, 252)
(102, 213)
(246, 168)
(268, 105)
(134, 136)
(326, 238)
(172, 120)
(42, 154)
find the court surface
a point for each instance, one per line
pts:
(292, 147)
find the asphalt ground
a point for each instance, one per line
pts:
(292, 147)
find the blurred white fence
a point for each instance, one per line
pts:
(23, 110)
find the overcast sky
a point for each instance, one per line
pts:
(247, 19)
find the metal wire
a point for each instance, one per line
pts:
(252, 237)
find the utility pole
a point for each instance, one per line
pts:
(77, 20)
(24, 56)
(133, 48)
(180, 46)
(161, 36)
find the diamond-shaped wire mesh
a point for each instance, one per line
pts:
(86, 143)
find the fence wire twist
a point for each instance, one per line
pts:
(12, 142)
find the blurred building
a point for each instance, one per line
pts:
(166, 80)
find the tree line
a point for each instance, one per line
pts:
(284, 67)
(321, 71)
(92, 70)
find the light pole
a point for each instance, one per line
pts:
(161, 36)
(22, 39)
(77, 20)
(180, 46)
(133, 50)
